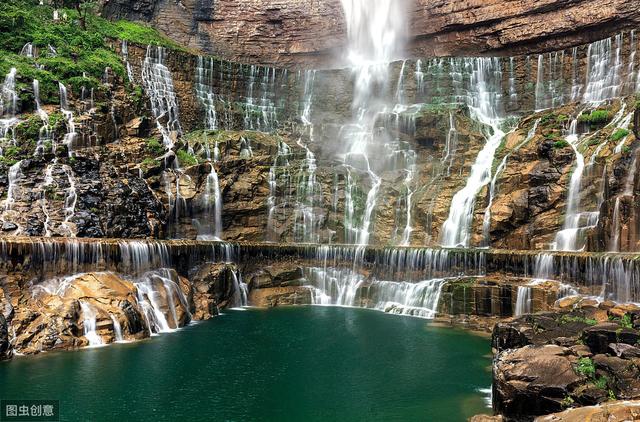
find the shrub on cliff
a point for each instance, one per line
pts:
(67, 51)
(596, 117)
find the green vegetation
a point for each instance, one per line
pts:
(552, 120)
(601, 383)
(619, 134)
(186, 159)
(586, 367)
(567, 402)
(148, 163)
(80, 39)
(565, 319)
(626, 322)
(596, 117)
(155, 147)
(560, 144)
(626, 150)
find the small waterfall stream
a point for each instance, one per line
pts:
(71, 136)
(483, 101)
(89, 316)
(8, 110)
(45, 131)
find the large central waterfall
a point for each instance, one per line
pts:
(377, 32)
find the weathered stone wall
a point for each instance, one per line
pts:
(311, 33)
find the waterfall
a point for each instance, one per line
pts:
(483, 100)
(604, 66)
(204, 91)
(279, 171)
(212, 198)
(614, 242)
(13, 176)
(344, 287)
(240, 292)
(89, 316)
(376, 32)
(540, 84)
(28, 51)
(571, 237)
(419, 78)
(451, 144)
(260, 112)
(486, 223)
(212, 204)
(71, 135)
(48, 181)
(523, 301)
(308, 189)
(70, 200)
(513, 92)
(117, 329)
(45, 131)
(125, 58)
(158, 84)
(156, 292)
(8, 108)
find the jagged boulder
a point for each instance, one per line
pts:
(600, 336)
(533, 380)
(279, 284)
(214, 286)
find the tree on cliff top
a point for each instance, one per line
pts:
(83, 7)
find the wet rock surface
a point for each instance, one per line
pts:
(551, 361)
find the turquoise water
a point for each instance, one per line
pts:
(288, 364)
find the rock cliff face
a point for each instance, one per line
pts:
(311, 33)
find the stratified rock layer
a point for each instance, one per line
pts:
(311, 33)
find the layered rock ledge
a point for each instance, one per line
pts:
(310, 33)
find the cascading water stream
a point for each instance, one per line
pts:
(604, 70)
(614, 242)
(89, 323)
(376, 32)
(12, 189)
(45, 131)
(571, 237)
(308, 189)
(211, 228)
(279, 171)
(8, 110)
(212, 201)
(483, 100)
(158, 84)
(523, 301)
(117, 329)
(486, 223)
(71, 136)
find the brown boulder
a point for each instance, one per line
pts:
(533, 380)
(606, 412)
(214, 286)
(600, 336)
(280, 296)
